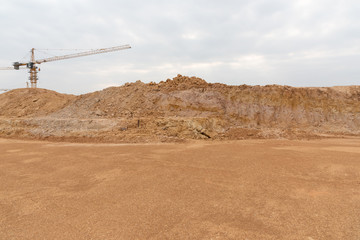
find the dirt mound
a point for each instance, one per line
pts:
(185, 107)
(27, 102)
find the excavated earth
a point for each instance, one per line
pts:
(179, 109)
(251, 189)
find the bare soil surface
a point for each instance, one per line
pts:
(180, 109)
(249, 189)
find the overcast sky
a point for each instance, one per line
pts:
(256, 42)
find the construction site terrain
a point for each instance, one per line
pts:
(181, 109)
(181, 159)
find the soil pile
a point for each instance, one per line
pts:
(182, 108)
(30, 102)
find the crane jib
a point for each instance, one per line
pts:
(82, 54)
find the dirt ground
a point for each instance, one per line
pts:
(250, 189)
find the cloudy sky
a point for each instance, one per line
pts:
(256, 42)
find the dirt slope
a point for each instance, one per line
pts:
(27, 102)
(185, 108)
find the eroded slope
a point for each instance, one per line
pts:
(183, 108)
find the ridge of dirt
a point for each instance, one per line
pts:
(182, 108)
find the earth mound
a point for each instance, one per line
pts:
(28, 102)
(181, 108)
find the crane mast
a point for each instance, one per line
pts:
(33, 70)
(32, 65)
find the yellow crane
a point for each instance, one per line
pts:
(32, 64)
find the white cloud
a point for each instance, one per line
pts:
(190, 36)
(250, 62)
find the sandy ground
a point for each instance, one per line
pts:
(253, 189)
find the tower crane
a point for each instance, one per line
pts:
(33, 68)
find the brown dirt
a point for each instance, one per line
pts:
(32, 102)
(250, 189)
(179, 109)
